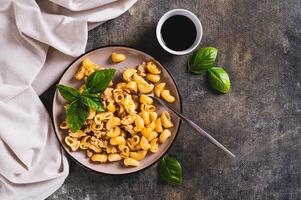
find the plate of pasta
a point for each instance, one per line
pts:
(103, 114)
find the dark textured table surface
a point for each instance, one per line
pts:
(259, 44)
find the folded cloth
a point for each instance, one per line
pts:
(38, 40)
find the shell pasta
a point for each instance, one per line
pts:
(130, 127)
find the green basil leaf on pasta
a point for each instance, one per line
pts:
(77, 114)
(219, 79)
(86, 93)
(202, 60)
(68, 93)
(99, 80)
(93, 102)
(170, 170)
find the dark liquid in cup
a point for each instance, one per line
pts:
(178, 32)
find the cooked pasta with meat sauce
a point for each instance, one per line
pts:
(130, 126)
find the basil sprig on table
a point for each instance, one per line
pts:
(170, 170)
(79, 103)
(219, 79)
(202, 61)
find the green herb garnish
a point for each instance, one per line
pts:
(170, 170)
(202, 61)
(92, 102)
(99, 81)
(219, 79)
(77, 114)
(69, 93)
(79, 103)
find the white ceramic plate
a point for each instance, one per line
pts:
(101, 56)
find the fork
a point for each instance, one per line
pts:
(193, 125)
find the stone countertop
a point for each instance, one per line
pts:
(259, 44)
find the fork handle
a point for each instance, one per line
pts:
(197, 128)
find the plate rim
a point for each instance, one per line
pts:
(53, 98)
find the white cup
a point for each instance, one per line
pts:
(192, 17)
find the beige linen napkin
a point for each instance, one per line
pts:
(38, 40)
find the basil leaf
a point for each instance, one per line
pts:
(202, 60)
(77, 114)
(99, 80)
(69, 93)
(170, 170)
(93, 102)
(219, 79)
(86, 93)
